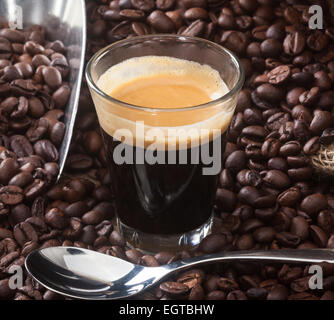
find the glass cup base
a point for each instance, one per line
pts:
(153, 243)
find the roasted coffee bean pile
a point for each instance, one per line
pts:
(269, 195)
(33, 94)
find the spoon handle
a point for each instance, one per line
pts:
(289, 256)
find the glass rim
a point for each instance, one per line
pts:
(92, 84)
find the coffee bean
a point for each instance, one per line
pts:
(227, 285)
(236, 161)
(309, 98)
(164, 257)
(321, 121)
(226, 21)
(278, 164)
(74, 230)
(235, 41)
(300, 174)
(279, 75)
(11, 195)
(173, 288)
(270, 148)
(19, 213)
(254, 50)
(149, 261)
(300, 112)
(250, 225)
(322, 80)
(303, 79)
(278, 292)
(226, 179)
(269, 93)
(299, 227)
(196, 293)
(195, 29)
(314, 203)
(88, 235)
(226, 199)
(312, 146)
(79, 162)
(245, 242)
(293, 95)
(276, 179)
(317, 41)
(93, 217)
(40, 60)
(252, 116)
(290, 148)
(165, 4)
(52, 77)
(29, 247)
(46, 150)
(264, 234)
(5, 48)
(244, 22)
(213, 243)
(248, 195)
(8, 168)
(257, 293)
(21, 179)
(289, 197)
(318, 235)
(116, 239)
(5, 291)
(271, 48)
(256, 132)
(301, 130)
(133, 255)
(249, 178)
(328, 295)
(265, 201)
(176, 17)
(294, 43)
(287, 275)
(24, 232)
(160, 21)
(288, 239)
(196, 13)
(35, 189)
(231, 223)
(21, 146)
(132, 14)
(61, 96)
(325, 99)
(330, 242)
(145, 5)
(12, 35)
(325, 220)
(236, 295)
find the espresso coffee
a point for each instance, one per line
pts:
(156, 133)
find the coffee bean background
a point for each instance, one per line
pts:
(269, 195)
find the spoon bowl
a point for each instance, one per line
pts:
(68, 271)
(86, 274)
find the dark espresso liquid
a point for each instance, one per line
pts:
(162, 198)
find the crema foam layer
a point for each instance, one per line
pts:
(163, 84)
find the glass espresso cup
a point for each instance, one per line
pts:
(164, 161)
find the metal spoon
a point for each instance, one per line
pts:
(86, 274)
(63, 20)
